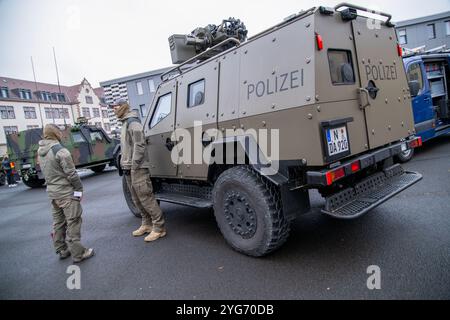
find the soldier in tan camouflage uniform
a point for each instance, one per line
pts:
(135, 164)
(65, 190)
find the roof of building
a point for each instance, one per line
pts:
(70, 92)
(135, 76)
(425, 19)
(99, 92)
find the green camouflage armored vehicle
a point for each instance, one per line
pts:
(247, 127)
(90, 147)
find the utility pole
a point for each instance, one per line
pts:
(35, 84)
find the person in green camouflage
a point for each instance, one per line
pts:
(65, 191)
(135, 165)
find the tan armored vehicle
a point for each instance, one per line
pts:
(328, 88)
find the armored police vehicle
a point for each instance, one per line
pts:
(89, 145)
(428, 75)
(328, 86)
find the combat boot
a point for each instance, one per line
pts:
(155, 236)
(88, 253)
(64, 254)
(142, 230)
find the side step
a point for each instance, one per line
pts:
(355, 201)
(185, 194)
(184, 200)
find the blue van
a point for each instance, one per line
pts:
(428, 76)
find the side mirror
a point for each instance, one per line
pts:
(414, 88)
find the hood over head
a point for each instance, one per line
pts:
(122, 110)
(52, 132)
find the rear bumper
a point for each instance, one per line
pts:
(355, 201)
(319, 178)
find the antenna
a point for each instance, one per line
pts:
(59, 86)
(35, 84)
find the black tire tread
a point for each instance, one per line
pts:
(280, 227)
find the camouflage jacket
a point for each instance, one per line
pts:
(132, 143)
(59, 171)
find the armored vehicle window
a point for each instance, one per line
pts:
(162, 109)
(78, 137)
(414, 74)
(96, 136)
(341, 67)
(196, 93)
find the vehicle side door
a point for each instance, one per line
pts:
(421, 100)
(158, 130)
(80, 147)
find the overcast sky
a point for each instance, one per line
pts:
(107, 39)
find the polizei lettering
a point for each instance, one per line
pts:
(381, 72)
(275, 84)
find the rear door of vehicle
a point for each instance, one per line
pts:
(383, 82)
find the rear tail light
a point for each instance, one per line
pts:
(399, 50)
(319, 41)
(415, 143)
(355, 166)
(334, 175)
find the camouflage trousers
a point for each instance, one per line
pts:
(141, 189)
(67, 226)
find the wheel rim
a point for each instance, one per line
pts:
(407, 153)
(240, 215)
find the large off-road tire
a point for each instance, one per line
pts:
(405, 156)
(127, 194)
(34, 183)
(99, 168)
(248, 212)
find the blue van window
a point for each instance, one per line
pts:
(415, 74)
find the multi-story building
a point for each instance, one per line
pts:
(26, 104)
(137, 89)
(430, 31)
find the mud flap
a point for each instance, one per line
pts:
(355, 201)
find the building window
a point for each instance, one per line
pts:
(61, 97)
(45, 96)
(65, 113)
(107, 126)
(86, 113)
(447, 27)
(104, 114)
(139, 88)
(151, 85)
(10, 129)
(89, 100)
(7, 112)
(30, 112)
(431, 31)
(402, 38)
(196, 93)
(4, 93)
(32, 127)
(143, 109)
(48, 113)
(98, 124)
(96, 112)
(25, 94)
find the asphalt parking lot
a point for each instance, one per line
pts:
(408, 238)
